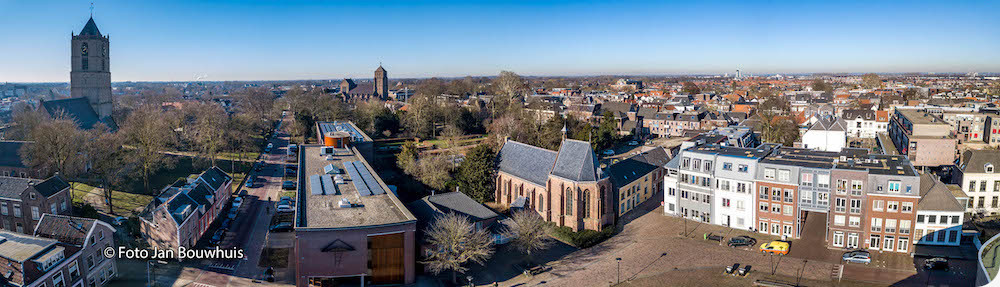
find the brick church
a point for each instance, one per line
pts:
(89, 103)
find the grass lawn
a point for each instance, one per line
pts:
(124, 203)
(288, 194)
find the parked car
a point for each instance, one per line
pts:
(120, 220)
(742, 240)
(217, 237)
(232, 214)
(285, 208)
(936, 263)
(237, 202)
(226, 223)
(288, 185)
(249, 183)
(633, 143)
(857, 257)
(284, 198)
(775, 247)
(293, 147)
(270, 146)
(609, 152)
(282, 227)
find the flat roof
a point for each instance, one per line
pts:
(732, 151)
(348, 127)
(921, 118)
(324, 211)
(801, 157)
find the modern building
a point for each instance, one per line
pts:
(980, 180)
(182, 212)
(88, 237)
(827, 134)
(926, 139)
(637, 178)
(734, 136)
(939, 214)
(566, 187)
(337, 132)
(23, 201)
(350, 228)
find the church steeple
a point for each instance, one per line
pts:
(90, 29)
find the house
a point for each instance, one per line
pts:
(89, 237)
(11, 163)
(939, 214)
(23, 201)
(980, 180)
(182, 212)
(863, 123)
(566, 187)
(827, 134)
(429, 208)
(637, 178)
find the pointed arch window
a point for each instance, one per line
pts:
(586, 203)
(569, 201)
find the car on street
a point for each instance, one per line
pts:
(217, 237)
(633, 143)
(858, 256)
(288, 185)
(293, 148)
(237, 202)
(742, 240)
(249, 183)
(226, 223)
(609, 152)
(282, 227)
(775, 247)
(284, 208)
(232, 214)
(936, 263)
(120, 220)
(289, 171)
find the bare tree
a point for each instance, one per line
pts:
(208, 130)
(149, 135)
(109, 162)
(528, 232)
(57, 147)
(455, 242)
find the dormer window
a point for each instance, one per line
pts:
(989, 168)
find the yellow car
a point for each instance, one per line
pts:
(776, 247)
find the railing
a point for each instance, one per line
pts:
(984, 276)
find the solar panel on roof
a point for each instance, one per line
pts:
(356, 179)
(368, 178)
(331, 169)
(315, 184)
(328, 186)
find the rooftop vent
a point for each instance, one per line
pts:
(344, 203)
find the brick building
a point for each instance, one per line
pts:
(182, 212)
(23, 201)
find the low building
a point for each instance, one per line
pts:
(429, 208)
(637, 178)
(11, 163)
(863, 123)
(90, 237)
(182, 212)
(939, 214)
(566, 187)
(827, 134)
(980, 180)
(349, 227)
(23, 201)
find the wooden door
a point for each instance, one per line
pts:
(385, 257)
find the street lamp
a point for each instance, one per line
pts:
(619, 259)
(470, 280)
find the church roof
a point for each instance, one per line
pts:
(576, 161)
(80, 110)
(90, 29)
(380, 69)
(526, 161)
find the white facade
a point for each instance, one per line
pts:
(670, 191)
(734, 203)
(983, 190)
(861, 128)
(939, 227)
(824, 140)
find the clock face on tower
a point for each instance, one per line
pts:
(83, 49)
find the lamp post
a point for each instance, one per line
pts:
(469, 278)
(619, 259)
(149, 278)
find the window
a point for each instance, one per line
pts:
(742, 168)
(823, 180)
(763, 192)
(686, 162)
(727, 166)
(789, 210)
(854, 221)
(784, 175)
(725, 202)
(873, 241)
(904, 227)
(775, 228)
(954, 219)
(876, 224)
(838, 239)
(763, 206)
(903, 245)
(894, 186)
(907, 207)
(941, 234)
(762, 226)
(840, 204)
(695, 164)
(856, 206)
(856, 187)
(739, 206)
(3, 208)
(890, 225)
(972, 185)
(52, 207)
(931, 219)
(776, 208)
(893, 206)
(85, 64)
(569, 201)
(788, 195)
(839, 220)
(982, 186)
(920, 218)
(788, 230)
(90, 262)
(769, 173)
(34, 213)
(877, 205)
(74, 271)
(952, 236)
(841, 186)
(17, 210)
(723, 184)
(708, 165)
(995, 202)
(57, 280)
(807, 179)
(889, 240)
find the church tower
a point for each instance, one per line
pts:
(90, 75)
(381, 83)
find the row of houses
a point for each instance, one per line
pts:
(859, 200)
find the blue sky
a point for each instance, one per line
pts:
(258, 40)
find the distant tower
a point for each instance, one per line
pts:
(737, 74)
(90, 75)
(381, 83)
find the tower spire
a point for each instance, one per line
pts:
(91, 9)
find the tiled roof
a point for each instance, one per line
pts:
(828, 124)
(80, 110)
(20, 247)
(630, 169)
(576, 161)
(935, 196)
(975, 161)
(215, 177)
(462, 204)
(10, 155)
(12, 187)
(525, 161)
(51, 186)
(90, 29)
(67, 229)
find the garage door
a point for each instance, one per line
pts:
(385, 255)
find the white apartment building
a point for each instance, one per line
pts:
(980, 180)
(939, 214)
(827, 134)
(865, 123)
